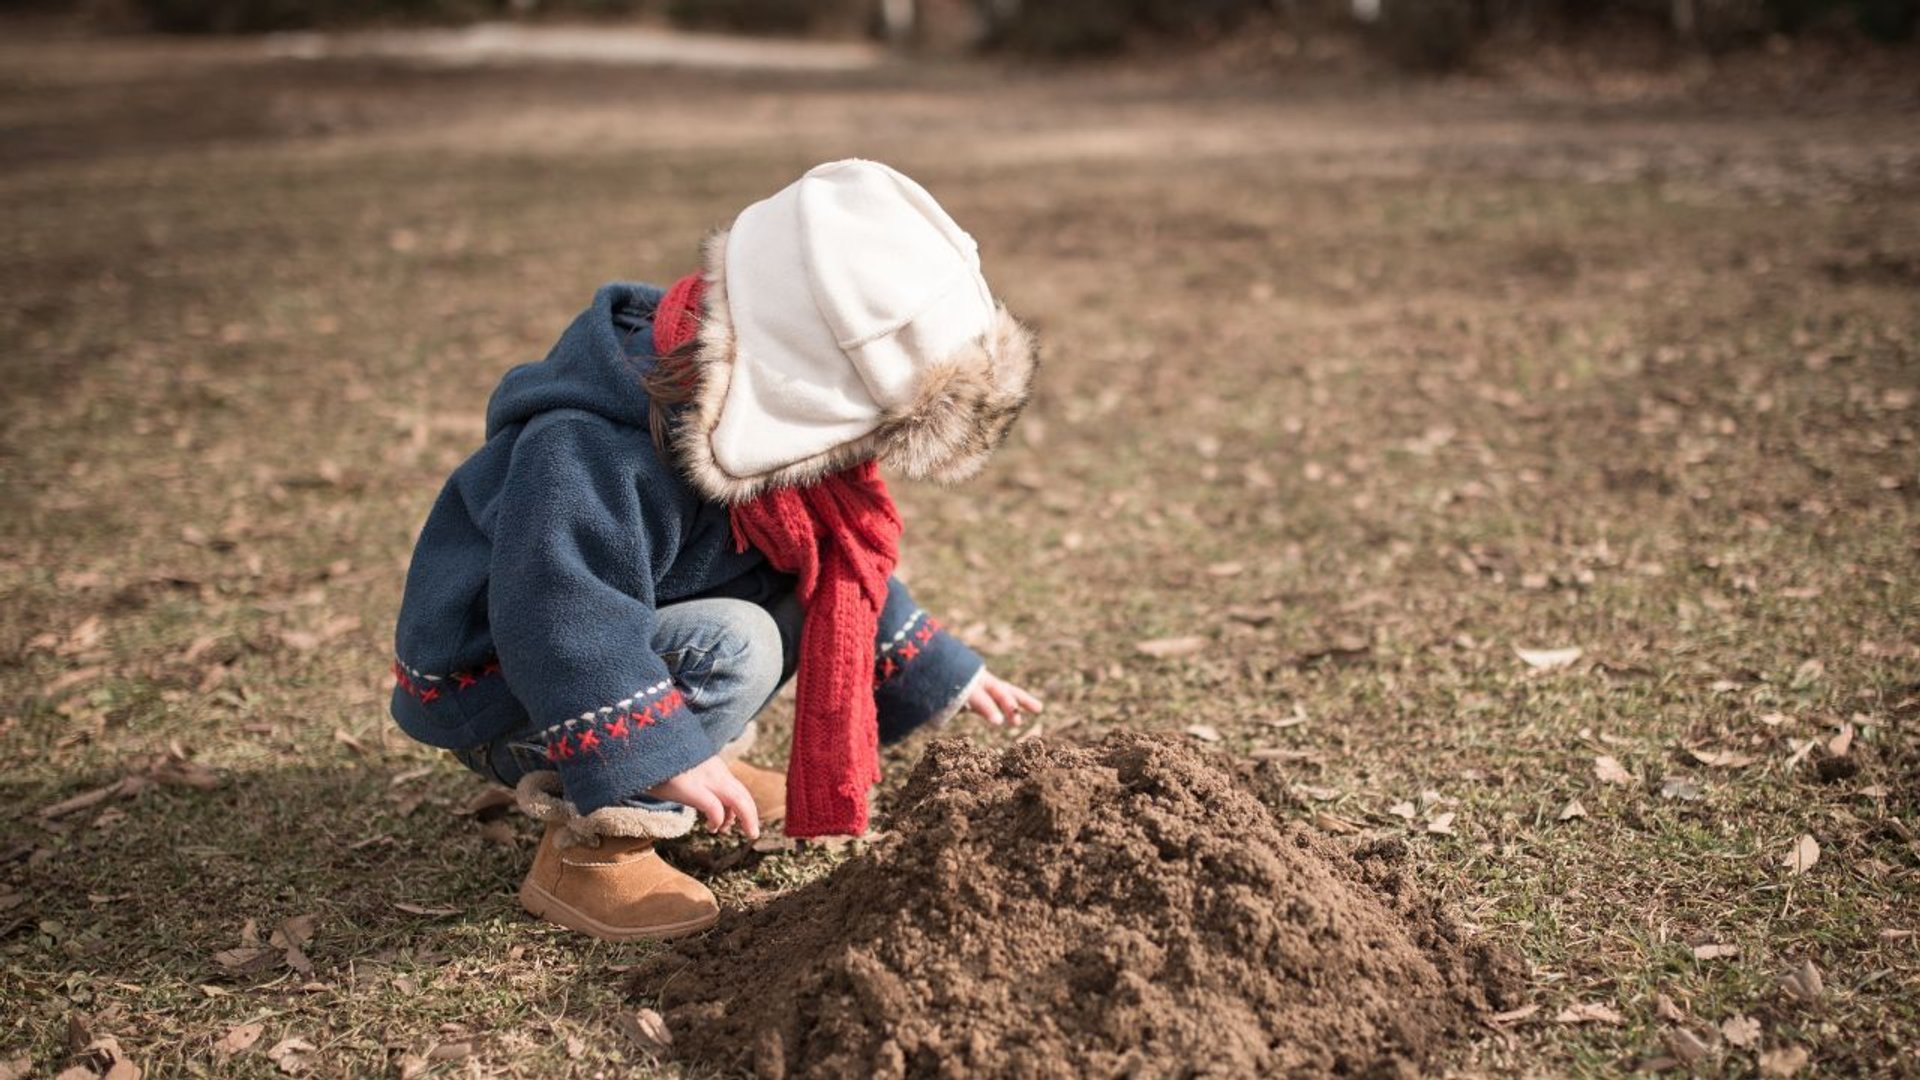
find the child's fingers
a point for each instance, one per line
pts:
(1003, 696)
(733, 795)
(983, 703)
(707, 806)
(740, 801)
(1027, 701)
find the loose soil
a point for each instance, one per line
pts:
(1127, 909)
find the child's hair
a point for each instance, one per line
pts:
(671, 383)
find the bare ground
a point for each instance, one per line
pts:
(1364, 387)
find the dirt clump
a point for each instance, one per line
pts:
(1057, 911)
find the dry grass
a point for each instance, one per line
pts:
(1366, 389)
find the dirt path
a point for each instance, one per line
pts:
(1367, 397)
(507, 43)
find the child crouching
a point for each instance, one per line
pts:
(679, 509)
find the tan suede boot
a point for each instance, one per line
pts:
(768, 788)
(617, 890)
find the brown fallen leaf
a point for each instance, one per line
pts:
(1167, 648)
(84, 636)
(1801, 748)
(188, 774)
(1784, 1061)
(1203, 732)
(295, 931)
(1334, 823)
(1664, 1008)
(300, 640)
(1589, 1013)
(297, 960)
(1802, 855)
(490, 802)
(239, 1038)
(1682, 788)
(88, 799)
(293, 1054)
(1549, 659)
(401, 779)
(1339, 649)
(1687, 1046)
(1252, 615)
(1741, 1030)
(1513, 1016)
(1275, 753)
(1804, 983)
(1403, 810)
(1721, 759)
(1226, 569)
(70, 680)
(79, 1030)
(1284, 722)
(247, 959)
(1607, 769)
(1572, 810)
(1715, 952)
(101, 1055)
(649, 1029)
(1441, 824)
(198, 647)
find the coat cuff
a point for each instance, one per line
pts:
(612, 755)
(922, 675)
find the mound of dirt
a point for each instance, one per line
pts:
(1054, 911)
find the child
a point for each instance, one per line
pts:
(677, 509)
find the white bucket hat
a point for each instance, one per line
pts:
(846, 320)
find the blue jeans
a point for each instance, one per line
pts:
(728, 657)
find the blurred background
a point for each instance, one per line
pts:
(1420, 34)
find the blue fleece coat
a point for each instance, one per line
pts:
(529, 606)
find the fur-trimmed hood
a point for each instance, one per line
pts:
(960, 410)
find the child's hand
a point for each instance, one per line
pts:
(710, 788)
(1001, 702)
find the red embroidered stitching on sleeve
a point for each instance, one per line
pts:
(426, 688)
(593, 731)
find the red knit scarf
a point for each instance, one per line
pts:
(840, 536)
